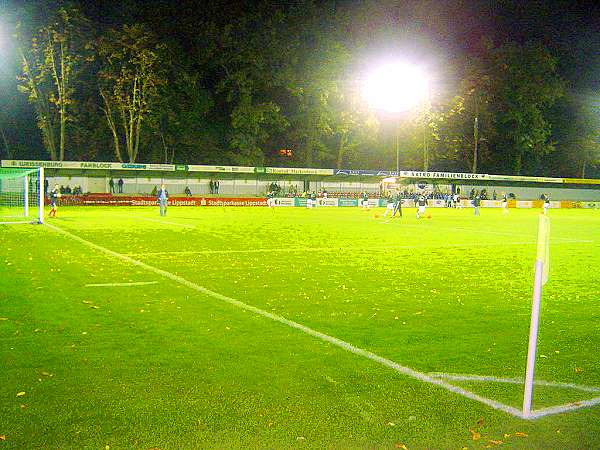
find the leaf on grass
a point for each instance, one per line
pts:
(578, 370)
(480, 422)
(475, 435)
(496, 442)
(87, 302)
(520, 434)
(3, 318)
(2, 437)
(20, 394)
(46, 374)
(399, 445)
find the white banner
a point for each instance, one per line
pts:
(226, 169)
(284, 201)
(327, 201)
(90, 165)
(449, 175)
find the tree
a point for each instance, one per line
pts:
(524, 85)
(129, 78)
(50, 63)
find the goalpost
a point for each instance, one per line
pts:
(21, 196)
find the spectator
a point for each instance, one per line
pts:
(211, 186)
(216, 186)
(121, 183)
(111, 185)
(154, 192)
(187, 191)
(46, 183)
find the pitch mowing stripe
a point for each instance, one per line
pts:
(137, 283)
(507, 233)
(334, 341)
(325, 249)
(185, 225)
(486, 378)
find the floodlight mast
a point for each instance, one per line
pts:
(395, 88)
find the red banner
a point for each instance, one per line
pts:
(108, 200)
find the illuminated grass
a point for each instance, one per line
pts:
(164, 366)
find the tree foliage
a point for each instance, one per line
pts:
(238, 88)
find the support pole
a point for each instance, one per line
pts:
(41, 198)
(26, 195)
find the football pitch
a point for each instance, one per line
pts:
(294, 328)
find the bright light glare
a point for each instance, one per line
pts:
(396, 87)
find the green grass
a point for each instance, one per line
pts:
(165, 366)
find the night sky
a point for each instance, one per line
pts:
(438, 32)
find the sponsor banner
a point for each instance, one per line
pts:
(594, 205)
(524, 204)
(300, 201)
(250, 201)
(491, 203)
(347, 202)
(107, 200)
(92, 165)
(225, 169)
(284, 201)
(580, 181)
(524, 178)
(327, 201)
(294, 171)
(372, 173)
(447, 175)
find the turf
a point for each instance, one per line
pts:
(165, 366)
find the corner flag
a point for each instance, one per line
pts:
(542, 263)
(543, 246)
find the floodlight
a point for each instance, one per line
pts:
(396, 87)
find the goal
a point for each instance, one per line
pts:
(21, 196)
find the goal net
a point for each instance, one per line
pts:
(21, 196)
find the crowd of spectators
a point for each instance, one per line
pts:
(67, 190)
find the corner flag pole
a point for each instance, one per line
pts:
(541, 277)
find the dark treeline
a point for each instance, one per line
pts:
(249, 83)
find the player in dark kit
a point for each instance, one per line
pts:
(397, 204)
(54, 196)
(476, 204)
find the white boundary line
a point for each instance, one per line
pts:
(334, 341)
(486, 378)
(136, 283)
(185, 225)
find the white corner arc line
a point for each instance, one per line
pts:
(332, 340)
(536, 414)
(492, 379)
(135, 283)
